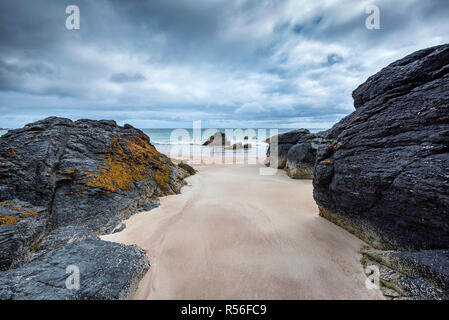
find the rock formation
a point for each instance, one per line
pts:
(62, 182)
(217, 139)
(294, 151)
(385, 174)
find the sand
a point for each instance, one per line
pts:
(236, 234)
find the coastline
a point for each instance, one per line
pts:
(265, 241)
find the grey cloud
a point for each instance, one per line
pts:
(124, 77)
(206, 59)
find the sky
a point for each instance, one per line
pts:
(167, 63)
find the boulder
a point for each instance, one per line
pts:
(235, 146)
(239, 145)
(64, 181)
(409, 275)
(187, 168)
(217, 139)
(301, 157)
(296, 152)
(107, 270)
(384, 176)
(280, 144)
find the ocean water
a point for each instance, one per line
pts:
(188, 142)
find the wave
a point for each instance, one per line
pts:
(195, 142)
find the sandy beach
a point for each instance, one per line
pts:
(236, 234)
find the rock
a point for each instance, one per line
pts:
(297, 152)
(22, 227)
(217, 139)
(107, 270)
(235, 146)
(120, 228)
(279, 146)
(239, 145)
(410, 275)
(63, 182)
(301, 157)
(187, 168)
(384, 176)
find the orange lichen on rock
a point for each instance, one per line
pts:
(129, 161)
(10, 152)
(32, 212)
(8, 220)
(16, 208)
(12, 220)
(327, 161)
(162, 177)
(69, 171)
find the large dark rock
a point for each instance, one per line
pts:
(63, 181)
(302, 156)
(409, 275)
(280, 145)
(106, 271)
(385, 175)
(295, 151)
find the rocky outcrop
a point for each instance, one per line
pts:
(384, 176)
(385, 172)
(295, 151)
(63, 181)
(217, 139)
(106, 271)
(409, 275)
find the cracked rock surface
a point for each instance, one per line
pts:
(384, 176)
(66, 182)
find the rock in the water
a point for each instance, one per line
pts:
(217, 139)
(107, 270)
(63, 181)
(385, 177)
(239, 146)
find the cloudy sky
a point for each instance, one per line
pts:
(242, 63)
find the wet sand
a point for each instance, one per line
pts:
(236, 234)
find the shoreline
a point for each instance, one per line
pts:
(261, 240)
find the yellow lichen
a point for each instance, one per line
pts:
(32, 212)
(12, 220)
(8, 220)
(327, 161)
(162, 177)
(69, 172)
(11, 153)
(16, 208)
(129, 161)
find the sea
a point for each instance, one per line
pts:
(175, 142)
(189, 142)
